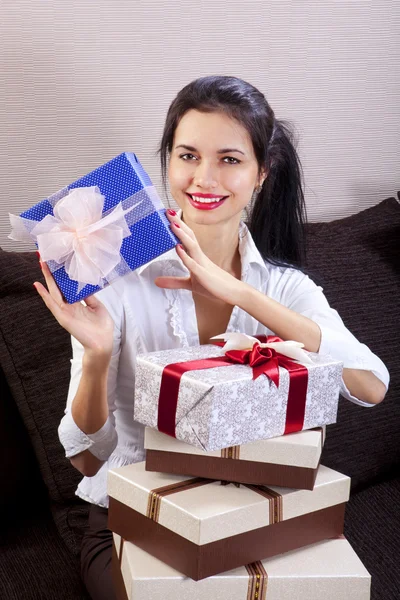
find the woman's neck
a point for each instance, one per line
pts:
(220, 243)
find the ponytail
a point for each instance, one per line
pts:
(278, 215)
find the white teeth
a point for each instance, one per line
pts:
(207, 200)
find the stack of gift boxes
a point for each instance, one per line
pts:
(258, 519)
(231, 502)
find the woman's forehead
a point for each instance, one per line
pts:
(211, 130)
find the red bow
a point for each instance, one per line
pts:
(262, 361)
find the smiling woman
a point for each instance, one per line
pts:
(223, 151)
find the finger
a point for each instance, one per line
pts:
(192, 246)
(174, 283)
(190, 263)
(173, 218)
(51, 284)
(185, 227)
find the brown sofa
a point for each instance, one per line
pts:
(357, 262)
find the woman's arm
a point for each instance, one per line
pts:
(89, 408)
(288, 324)
(208, 279)
(86, 431)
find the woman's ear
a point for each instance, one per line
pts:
(262, 178)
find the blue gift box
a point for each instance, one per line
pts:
(117, 180)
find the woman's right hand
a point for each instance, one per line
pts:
(91, 325)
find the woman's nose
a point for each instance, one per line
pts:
(205, 176)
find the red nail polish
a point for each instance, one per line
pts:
(180, 246)
(40, 265)
(38, 254)
(171, 212)
(176, 225)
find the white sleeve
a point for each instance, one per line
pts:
(303, 296)
(103, 442)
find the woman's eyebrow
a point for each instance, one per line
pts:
(222, 151)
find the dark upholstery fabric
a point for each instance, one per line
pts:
(36, 565)
(357, 262)
(19, 469)
(372, 525)
(34, 355)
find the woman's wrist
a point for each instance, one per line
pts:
(96, 361)
(244, 295)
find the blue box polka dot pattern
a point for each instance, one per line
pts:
(118, 179)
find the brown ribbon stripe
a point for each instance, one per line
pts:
(274, 499)
(155, 496)
(231, 452)
(258, 580)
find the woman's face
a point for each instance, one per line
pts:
(212, 170)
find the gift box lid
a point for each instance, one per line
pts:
(299, 449)
(224, 406)
(330, 570)
(203, 511)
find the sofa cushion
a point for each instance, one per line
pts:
(372, 524)
(35, 564)
(34, 355)
(18, 464)
(357, 262)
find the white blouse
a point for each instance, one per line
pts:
(148, 318)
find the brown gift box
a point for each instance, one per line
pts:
(202, 528)
(286, 461)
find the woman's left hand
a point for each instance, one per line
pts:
(206, 278)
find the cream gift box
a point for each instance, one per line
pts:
(202, 528)
(329, 569)
(224, 406)
(287, 461)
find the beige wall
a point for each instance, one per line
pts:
(82, 81)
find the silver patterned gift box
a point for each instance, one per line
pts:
(224, 406)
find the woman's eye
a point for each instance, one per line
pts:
(232, 158)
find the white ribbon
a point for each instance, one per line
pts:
(242, 341)
(78, 237)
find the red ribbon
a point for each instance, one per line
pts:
(262, 361)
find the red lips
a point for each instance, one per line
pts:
(206, 195)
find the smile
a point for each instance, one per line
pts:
(206, 203)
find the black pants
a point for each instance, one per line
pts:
(96, 552)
